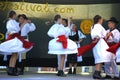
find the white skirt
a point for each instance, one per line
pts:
(57, 48)
(118, 55)
(100, 53)
(12, 46)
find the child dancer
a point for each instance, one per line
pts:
(112, 37)
(60, 44)
(65, 24)
(77, 37)
(26, 27)
(15, 44)
(99, 51)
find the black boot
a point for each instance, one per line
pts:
(116, 78)
(70, 71)
(61, 73)
(74, 72)
(20, 70)
(58, 74)
(97, 75)
(12, 71)
(107, 77)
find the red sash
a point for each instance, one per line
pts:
(26, 44)
(114, 48)
(62, 39)
(83, 49)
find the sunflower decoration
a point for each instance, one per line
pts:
(86, 25)
(1, 37)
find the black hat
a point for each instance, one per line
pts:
(113, 19)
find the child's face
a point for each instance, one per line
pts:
(64, 23)
(21, 20)
(14, 16)
(60, 20)
(74, 28)
(101, 21)
(111, 24)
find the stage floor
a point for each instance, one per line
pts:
(43, 76)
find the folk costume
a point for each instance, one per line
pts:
(14, 42)
(75, 36)
(60, 44)
(114, 38)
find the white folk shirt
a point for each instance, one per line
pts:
(57, 30)
(28, 27)
(12, 27)
(99, 51)
(98, 31)
(56, 47)
(116, 36)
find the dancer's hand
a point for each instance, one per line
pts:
(29, 21)
(95, 40)
(108, 35)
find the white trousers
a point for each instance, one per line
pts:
(111, 65)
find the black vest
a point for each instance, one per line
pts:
(74, 37)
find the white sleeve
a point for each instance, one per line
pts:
(57, 30)
(67, 31)
(27, 28)
(116, 35)
(98, 31)
(51, 32)
(95, 32)
(103, 32)
(81, 35)
(32, 27)
(12, 27)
